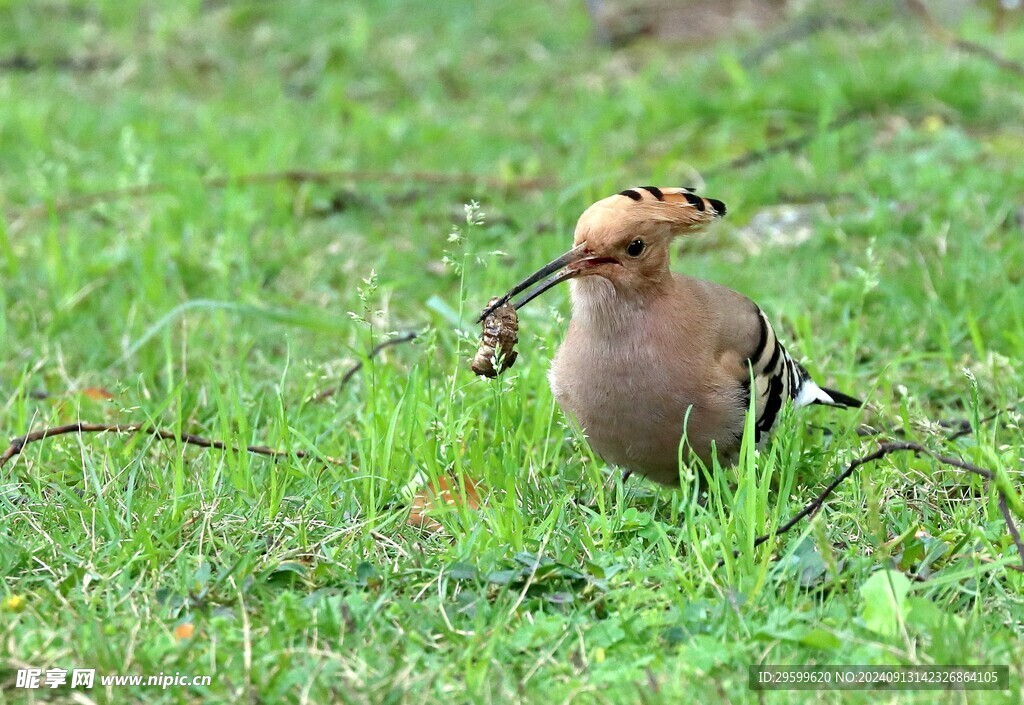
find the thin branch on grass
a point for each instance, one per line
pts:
(918, 8)
(883, 450)
(800, 29)
(22, 63)
(292, 176)
(331, 391)
(18, 444)
(784, 146)
(1012, 526)
(964, 426)
(959, 427)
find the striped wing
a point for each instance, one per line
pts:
(778, 377)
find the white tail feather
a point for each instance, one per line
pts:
(810, 393)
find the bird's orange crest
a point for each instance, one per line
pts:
(675, 210)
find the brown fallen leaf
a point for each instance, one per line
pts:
(446, 493)
(96, 393)
(65, 406)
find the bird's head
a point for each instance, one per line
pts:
(625, 239)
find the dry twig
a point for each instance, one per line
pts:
(1012, 527)
(883, 450)
(918, 8)
(784, 146)
(18, 444)
(292, 176)
(888, 448)
(801, 28)
(331, 391)
(22, 63)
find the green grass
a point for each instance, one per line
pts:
(221, 311)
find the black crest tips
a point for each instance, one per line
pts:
(654, 191)
(695, 201)
(718, 206)
(631, 193)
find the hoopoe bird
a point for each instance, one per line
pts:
(658, 366)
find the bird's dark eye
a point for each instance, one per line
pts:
(635, 248)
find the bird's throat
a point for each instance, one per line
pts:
(599, 305)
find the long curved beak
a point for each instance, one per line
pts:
(572, 264)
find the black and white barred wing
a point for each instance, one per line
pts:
(778, 377)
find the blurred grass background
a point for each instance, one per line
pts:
(283, 186)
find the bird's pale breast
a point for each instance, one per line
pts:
(634, 387)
